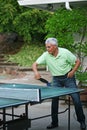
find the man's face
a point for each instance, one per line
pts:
(51, 48)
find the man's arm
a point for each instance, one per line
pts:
(74, 69)
(34, 67)
(38, 76)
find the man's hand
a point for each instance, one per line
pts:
(37, 75)
(70, 74)
(76, 66)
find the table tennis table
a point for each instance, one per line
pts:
(13, 95)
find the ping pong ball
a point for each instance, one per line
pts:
(13, 85)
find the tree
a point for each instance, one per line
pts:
(8, 11)
(29, 23)
(63, 24)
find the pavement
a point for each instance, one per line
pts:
(44, 108)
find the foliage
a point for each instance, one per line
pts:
(64, 23)
(30, 24)
(26, 22)
(82, 78)
(8, 11)
(27, 55)
(81, 50)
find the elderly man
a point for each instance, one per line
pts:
(62, 64)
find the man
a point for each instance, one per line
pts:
(62, 64)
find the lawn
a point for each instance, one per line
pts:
(27, 55)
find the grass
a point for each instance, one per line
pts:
(27, 55)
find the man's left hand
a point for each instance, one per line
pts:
(70, 74)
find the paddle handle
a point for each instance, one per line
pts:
(45, 81)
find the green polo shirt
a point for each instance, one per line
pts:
(59, 65)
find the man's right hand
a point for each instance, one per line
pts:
(37, 76)
(36, 73)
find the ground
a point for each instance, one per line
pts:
(14, 76)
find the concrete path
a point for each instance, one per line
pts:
(44, 108)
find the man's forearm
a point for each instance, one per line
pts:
(34, 67)
(74, 69)
(77, 64)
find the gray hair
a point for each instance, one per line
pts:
(52, 41)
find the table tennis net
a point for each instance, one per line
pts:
(20, 94)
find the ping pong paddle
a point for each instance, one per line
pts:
(45, 81)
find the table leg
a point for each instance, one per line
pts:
(26, 113)
(69, 113)
(12, 113)
(4, 118)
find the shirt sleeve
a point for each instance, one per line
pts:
(41, 59)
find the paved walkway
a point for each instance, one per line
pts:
(43, 109)
(26, 77)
